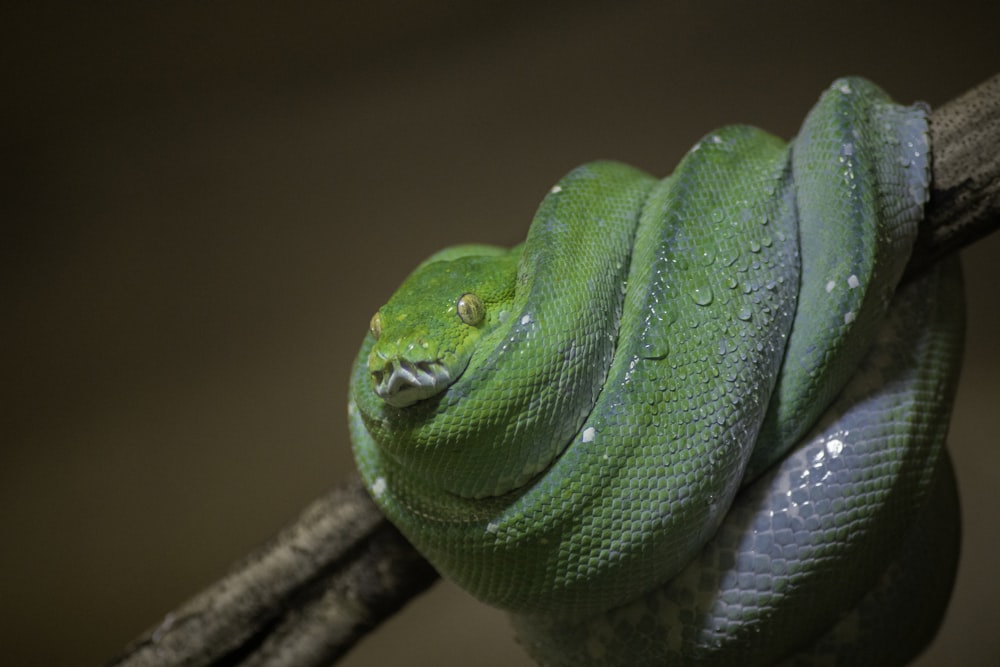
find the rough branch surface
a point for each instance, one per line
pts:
(965, 190)
(302, 599)
(306, 597)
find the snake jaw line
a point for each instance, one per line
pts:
(401, 383)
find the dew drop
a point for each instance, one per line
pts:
(834, 447)
(654, 351)
(755, 246)
(729, 256)
(702, 295)
(745, 314)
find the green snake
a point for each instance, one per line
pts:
(690, 420)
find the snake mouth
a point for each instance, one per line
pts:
(401, 382)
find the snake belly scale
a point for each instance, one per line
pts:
(690, 420)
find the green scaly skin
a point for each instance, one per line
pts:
(688, 420)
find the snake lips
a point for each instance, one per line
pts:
(690, 420)
(401, 382)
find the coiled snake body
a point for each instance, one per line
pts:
(693, 420)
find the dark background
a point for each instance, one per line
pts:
(203, 205)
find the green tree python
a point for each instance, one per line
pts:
(691, 420)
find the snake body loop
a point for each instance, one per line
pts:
(669, 426)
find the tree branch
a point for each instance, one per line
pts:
(302, 599)
(965, 188)
(306, 597)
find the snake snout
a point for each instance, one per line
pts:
(401, 382)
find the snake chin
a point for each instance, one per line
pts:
(401, 383)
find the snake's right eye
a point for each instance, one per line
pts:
(470, 309)
(375, 325)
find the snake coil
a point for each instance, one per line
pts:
(693, 420)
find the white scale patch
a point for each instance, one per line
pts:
(834, 447)
(853, 282)
(849, 317)
(526, 319)
(492, 527)
(378, 488)
(588, 434)
(556, 189)
(829, 286)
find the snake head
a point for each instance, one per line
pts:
(425, 335)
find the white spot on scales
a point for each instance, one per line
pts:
(834, 447)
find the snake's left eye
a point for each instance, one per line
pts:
(470, 309)
(375, 325)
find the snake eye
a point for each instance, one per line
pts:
(375, 325)
(470, 309)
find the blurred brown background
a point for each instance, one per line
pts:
(203, 205)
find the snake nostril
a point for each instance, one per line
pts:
(392, 378)
(399, 381)
(380, 376)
